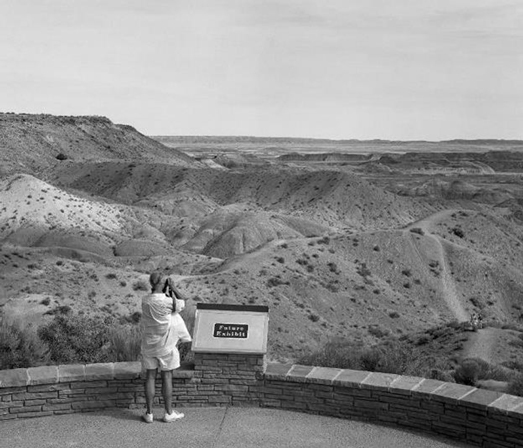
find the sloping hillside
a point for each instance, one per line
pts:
(31, 207)
(328, 198)
(30, 143)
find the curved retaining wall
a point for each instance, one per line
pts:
(476, 416)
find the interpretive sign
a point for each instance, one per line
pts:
(230, 328)
(230, 331)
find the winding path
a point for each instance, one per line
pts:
(449, 286)
(482, 344)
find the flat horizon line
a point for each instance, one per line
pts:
(344, 140)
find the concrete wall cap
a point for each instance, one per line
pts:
(453, 391)
(323, 374)
(42, 375)
(276, 369)
(406, 383)
(14, 378)
(480, 398)
(507, 403)
(299, 372)
(71, 372)
(379, 380)
(103, 371)
(519, 410)
(428, 386)
(352, 378)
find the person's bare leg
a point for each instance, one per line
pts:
(167, 390)
(150, 389)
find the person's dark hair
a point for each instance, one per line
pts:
(156, 278)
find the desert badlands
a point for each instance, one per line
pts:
(351, 244)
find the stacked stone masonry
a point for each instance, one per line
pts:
(475, 416)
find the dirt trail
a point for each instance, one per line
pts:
(236, 262)
(482, 344)
(449, 286)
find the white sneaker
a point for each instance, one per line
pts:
(147, 418)
(174, 415)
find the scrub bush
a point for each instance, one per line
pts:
(20, 347)
(74, 338)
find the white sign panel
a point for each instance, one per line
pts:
(230, 328)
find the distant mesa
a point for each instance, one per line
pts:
(35, 141)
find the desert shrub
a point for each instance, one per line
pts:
(440, 375)
(406, 272)
(332, 287)
(124, 343)
(470, 370)
(363, 270)
(61, 156)
(333, 267)
(417, 230)
(343, 355)
(399, 359)
(110, 275)
(20, 347)
(280, 260)
(391, 356)
(514, 365)
(140, 286)
(394, 315)
(324, 240)
(510, 326)
(62, 309)
(45, 301)
(276, 281)
(456, 324)
(133, 318)
(314, 317)
(74, 338)
(515, 386)
(422, 340)
(378, 331)
(369, 360)
(458, 232)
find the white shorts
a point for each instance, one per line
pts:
(164, 363)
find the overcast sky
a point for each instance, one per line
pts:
(390, 69)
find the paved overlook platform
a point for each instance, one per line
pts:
(233, 400)
(224, 427)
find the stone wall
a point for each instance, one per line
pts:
(476, 416)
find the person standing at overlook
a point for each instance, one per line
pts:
(160, 336)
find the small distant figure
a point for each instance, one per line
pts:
(476, 321)
(162, 329)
